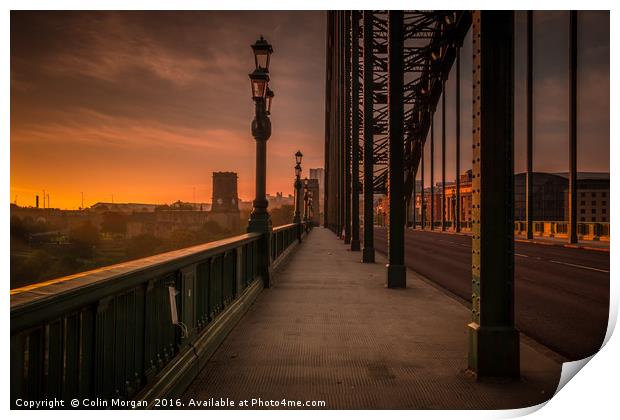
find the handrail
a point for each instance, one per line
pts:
(95, 284)
(108, 332)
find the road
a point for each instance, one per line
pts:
(561, 294)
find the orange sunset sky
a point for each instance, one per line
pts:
(144, 106)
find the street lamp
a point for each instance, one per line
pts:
(297, 186)
(298, 157)
(262, 53)
(306, 198)
(260, 221)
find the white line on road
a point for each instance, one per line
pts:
(580, 266)
(521, 255)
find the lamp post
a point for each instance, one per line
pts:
(306, 198)
(260, 221)
(310, 212)
(297, 185)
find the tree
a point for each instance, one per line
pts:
(84, 239)
(114, 222)
(143, 245)
(282, 215)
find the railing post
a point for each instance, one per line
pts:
(493, 338)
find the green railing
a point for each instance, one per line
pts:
(109, 332)
(559, 229)
(283, 236)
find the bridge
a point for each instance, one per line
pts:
(364, 311)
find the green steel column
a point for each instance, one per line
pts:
(529, 180)
(493, 338)
(368, 255)
(347, 127)
(457, 210)
(328, 111)
(433, 171)
(338, 127)
(422, 201)
(443, 155)
(572, 135)
(412, 201)
(341, 125)
(355, 131)
(396, 235)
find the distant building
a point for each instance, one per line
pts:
(280, 200)
(550, 192)
(315, 212)
(163, 222)
(319, 174)
(123, 207)
(225, 204)
(592, 196)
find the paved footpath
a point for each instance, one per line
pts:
(329, 330)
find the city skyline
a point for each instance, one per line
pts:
(101, 103)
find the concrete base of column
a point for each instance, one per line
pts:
(493, 351)
(368, 255)
(396, 276)
(355, 245)
(261, 223)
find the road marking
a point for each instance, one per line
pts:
(521, 255)
(580, 266)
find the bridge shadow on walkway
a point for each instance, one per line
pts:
(329, 330)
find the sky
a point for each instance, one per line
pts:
(144, 106)
(550, 97)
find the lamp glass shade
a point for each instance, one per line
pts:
(258, 88)
(270, 96)
(260, 81)
(298, 157)
(262, 53)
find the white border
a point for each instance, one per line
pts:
(591, 395)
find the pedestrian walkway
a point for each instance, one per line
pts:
(329, 330)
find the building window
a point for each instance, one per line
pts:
(593, 195)
(594, 219)
(593, 211)
(583, 203)
(594, 203)
(583, 195)
(604, 211)
(603, 219)
(583, 219)
(583, 211)
(603, 203)
(603, 194)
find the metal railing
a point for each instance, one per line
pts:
(559, 229)
(107, 333)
